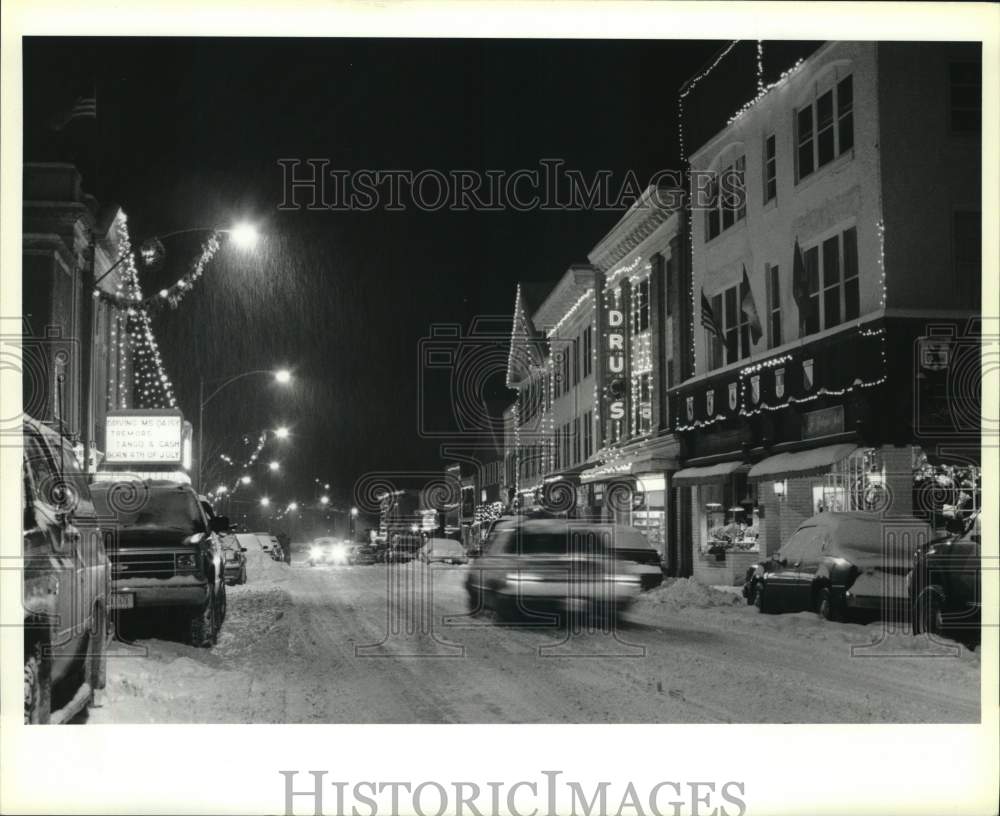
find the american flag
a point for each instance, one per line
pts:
(708, 316)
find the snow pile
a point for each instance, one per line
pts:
(687, 592)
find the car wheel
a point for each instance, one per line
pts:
(202, 626)
(760, 600)
(221, 615)
(824, 604)
(37, 687)
(928, 613)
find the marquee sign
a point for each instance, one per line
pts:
(152, 438)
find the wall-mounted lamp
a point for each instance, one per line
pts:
(780, 488)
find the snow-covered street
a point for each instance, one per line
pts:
(303, 644)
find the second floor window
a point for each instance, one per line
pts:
(825, 128)
(773, 305)
(734, 344)
(588, 434)
(588, 351)
(576, 441)
(642, 412)
(832, 288)
(640, 309)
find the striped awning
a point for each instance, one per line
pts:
(804, 463)
(709, 474)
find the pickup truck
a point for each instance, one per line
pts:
(167, 555)
(66, 580)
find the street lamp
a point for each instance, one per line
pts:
(245, 479)
(244, 235)
(281, 433)
(282, 376)
(265, 501)
(293, 506)
(324, 499)
(274, 466)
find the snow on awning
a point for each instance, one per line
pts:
(710, 474)
(803, 463)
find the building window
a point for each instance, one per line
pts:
(640, 309)
(734, 344)
(588, 434)
(832, 283)
(726, 198)
(566, 443)
(770, 170)
(642, 412)
(966, 97)
(576, 361)
(576, 441)
(565, 370)
(773, 276)
(825, 128)
(588, 351)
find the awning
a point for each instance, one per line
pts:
(710, 474)
(804, 463)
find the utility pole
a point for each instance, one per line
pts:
(87, 349)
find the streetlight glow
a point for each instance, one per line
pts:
(220, 490)
(244, 235)
(324, 499)
(354, 511)
(293, 506)
(245, 479)
(264, 501)
(281, 433)
(283, 375)
(275, 465)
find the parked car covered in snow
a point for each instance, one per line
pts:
(531, 565)
(65, 581)
(443, 550)
(167, 555)
(945, 584)
(836, 563)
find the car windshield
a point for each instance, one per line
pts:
(133, 508)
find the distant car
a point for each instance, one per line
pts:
(945, 585)
(327, 550)
(167, 555)
(532, 565)
(444, 550)
(837, 563)
(65, 581)
(235, 547)
(265, 540)
(366, 554)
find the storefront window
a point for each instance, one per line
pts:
(731, 518)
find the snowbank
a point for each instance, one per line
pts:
(687, 592)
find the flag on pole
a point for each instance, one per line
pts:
(708, 317)
(800, 285)
(749, 308)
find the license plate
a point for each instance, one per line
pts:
(122, 600)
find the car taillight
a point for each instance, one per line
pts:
(185, 561)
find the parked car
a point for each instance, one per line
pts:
(167, 556)
(235, 547)
(836, 563)
(266, 541)
(367, 553)
(443, 550)
(65, 582)
(945, 585)
(531, 565)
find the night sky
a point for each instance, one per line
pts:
(190, 132)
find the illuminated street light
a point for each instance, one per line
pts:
(283, 375)
(264, 501)
(275, 465)
(324, 499)
(244, 235)
(281, 433)
(245, 480)
(220, 490)
(293, 506)
(354, 511)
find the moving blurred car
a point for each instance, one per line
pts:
(167, 555)
(65, 581)
(531, 565)
(443, 550)
(835, 563)
(632, 546)
(945, 585)
(327, 550)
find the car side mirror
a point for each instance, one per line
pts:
(220, 524)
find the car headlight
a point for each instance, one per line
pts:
(523, 577)
(315, 552)
(338, 552)
(185, 561)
